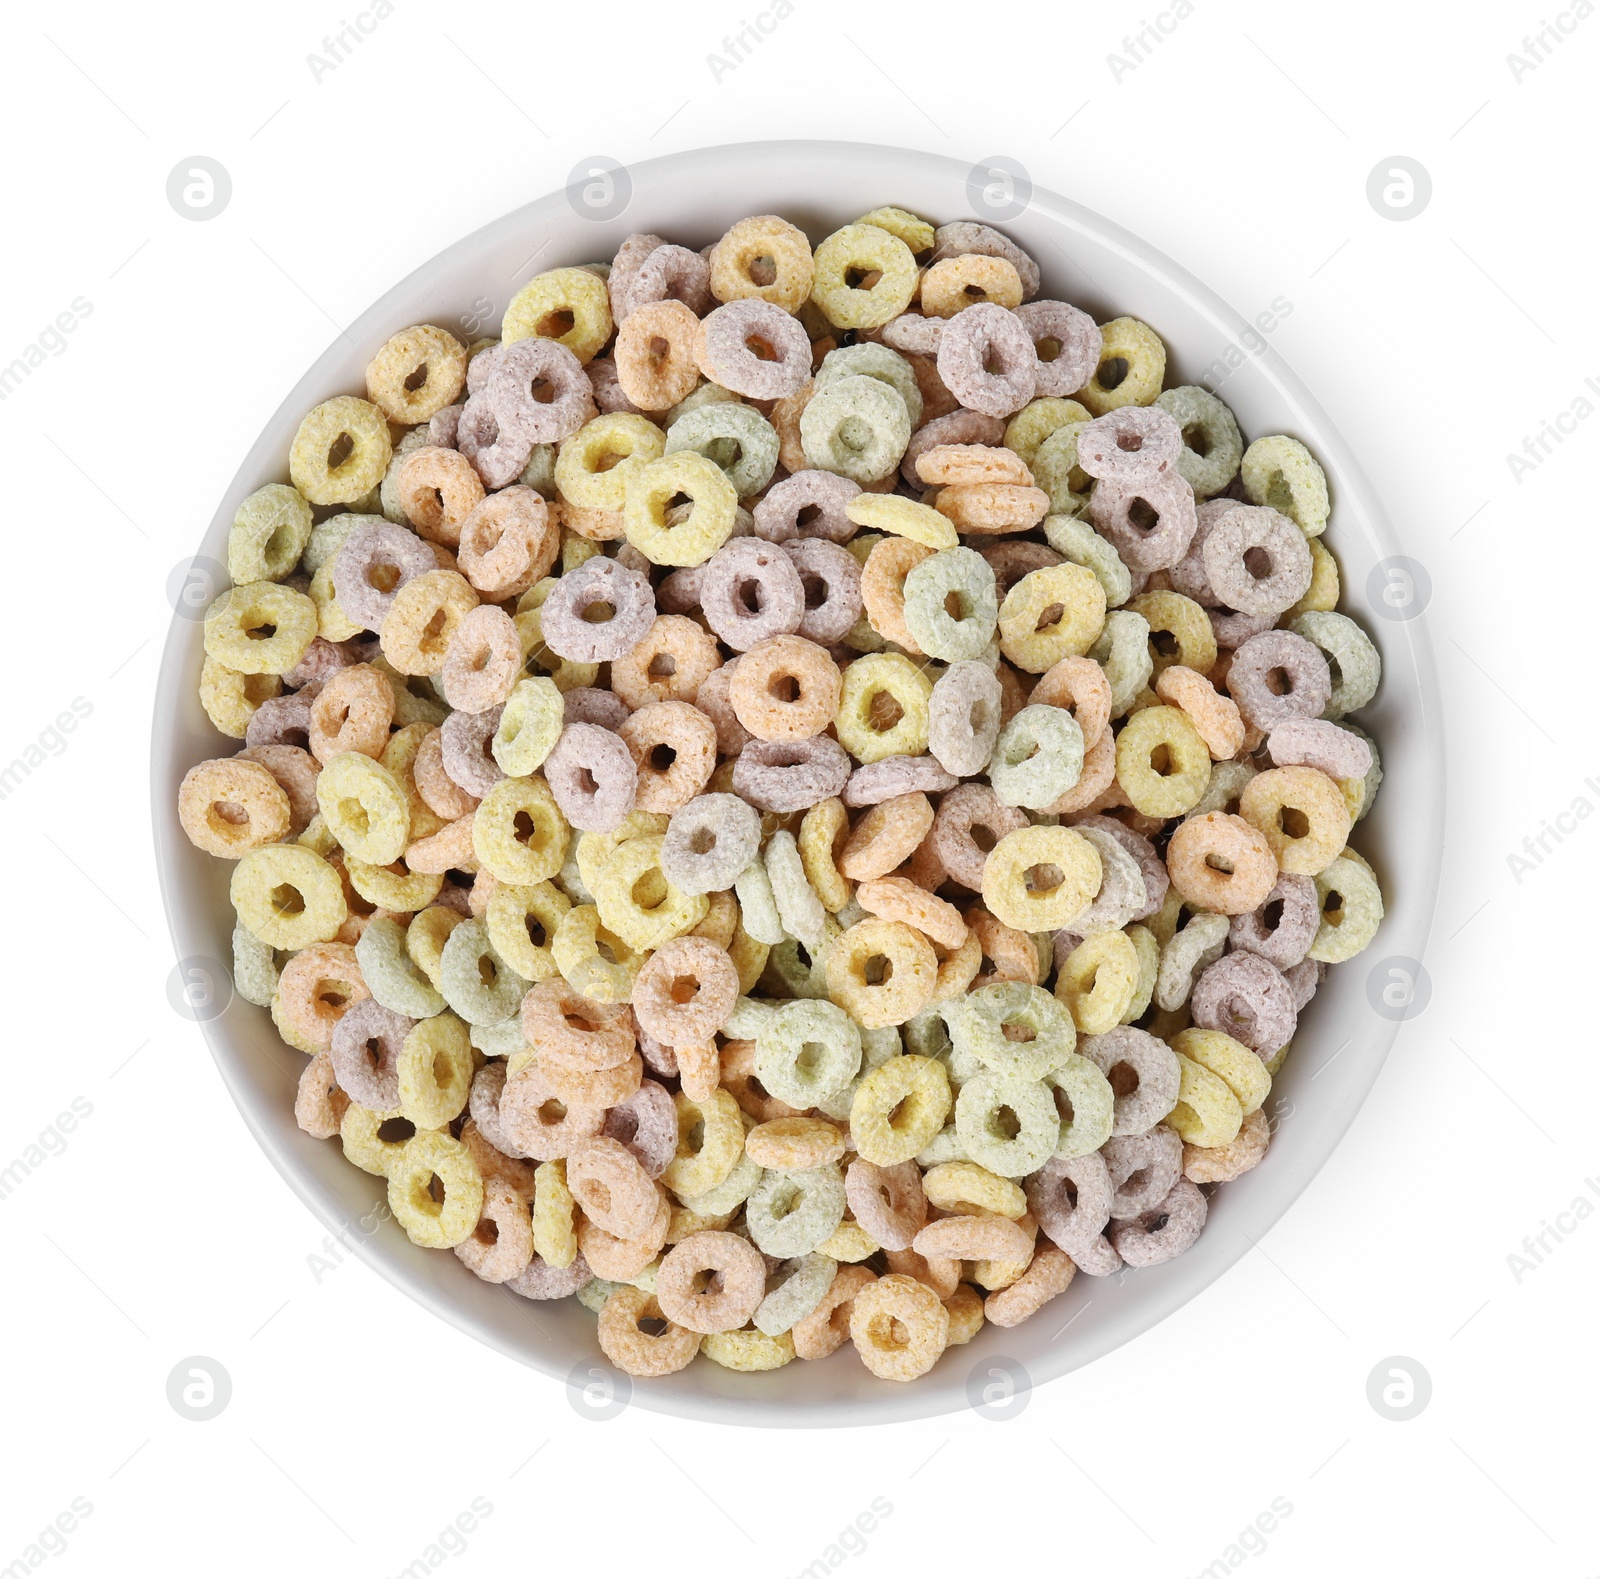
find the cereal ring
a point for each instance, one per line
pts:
(573, 301)
(665, 272)
(1244, 996)
(530, 724)
(964, 717)
(438, 490)
(830, 585)
(894, 776)
(647, 1124)
(736, 438)
(674, 747)
(519, 834)
(808, 1051)
(429, 1156)
(1212, 448)
(655, 355)
(1006, 1124)
(377, 559)
(1257, 561)
(981, 1026)
(1282, 927)
(434, 1072)
(754, 348)
(883, 708)
(464, 749)
(670, 664)
(417, 630)
(763, 256)
(1302, 814)
(1065, 866)
(1351, 907)
(792, 1213)
(685, 991)
(1142, 1169)
(1143, 1072)
(1150, 524)
(785, 688)
(1221, 863)
(269, 533)
(594, 779)
(599, 612)
(1067, 343)
(1281, 472)
(1163, 765)
(416, 373)
(288, 896)
(805, 505)
(228, 807)
(709, 842)
(1353, 661)
(261, 628)
(1166, 1230)
(807, 1281)
(987, 360)
(858, 427)
(482, 662)
(953, 284)
(1038, 757)
(957, 428)
(1050, 615)
(354, 431)
(1131, 370)
(1071, 1198)
(1276, 676)
(791, 775)
(614, 1191)
(706, 527)
(794, 1144)
(1015, 558)
(912, 332)
(1316, 743)
(950, 604)
(315, 989)
(1220, 1164)
(751, 591)
(1190, 949)
(476, 982)
(899, 1327)
(965, 814)
(898, 1108)
(874, 361)
(624, 1341)
(881, 972)
(863, 253)
(1132, 446)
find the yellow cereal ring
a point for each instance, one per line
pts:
(592, 466)
(1189, 626)
(763, 256)
(1037, 420)
(231, 698)
(519, 834)
(235, 624)
(637, 902)
(340, 451)
(748, 1350)
(427, 935)
(1052, 614)
(883, 708)
(1163, 765)
(229, 806)
(438, 1225)
(333, 624)
(650, 488)
(899, 1327)
(606, 977)
(415, 633)
(863, 251)
(436, 1068)
(1207, 1112)
(1322, 596)
(288, 896)
(710, 1143)
(1350, 904)
(522, 923)
(1063, 894)
(1136, 349)
(555, 1236)
(966, 1314)
(888, 512)
(1098, 981)
(1303, 815)
(366, 1145)
(392, 375)
(849, 1242)
(898, 1108)
(916, 233)
(966, 1187)
(403, 892)
(823, 831)
(364, 807)
(1230, 1061)
(570, 306)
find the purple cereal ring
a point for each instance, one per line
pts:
(1304, 979)
(964, 717)
(914, 333)
(751, 591)
(790, 775)
(540, 1280)
(483, 1104)
(712, 700)
(647, 1124)
(1148, 1063)
(598, 583)
(587, 705)
(808, 504)
(367, 1039)
(442, 427)
(1246, 998)
(891, 776)
(1133, 444)
(977, 339)
(1256, 560)
(625, 265)
(966, 807)
(1149, 524)
(830, 579)
(372, 566)
(1283, 926)
(680, 592)
(1151, 866)
(1067, 342)
(498, 451)
(539, 390)
(593, 777)
(464, 741)
(1276, 676)
(321, 661)
(281, 721)
(755, 348)
(657, 1056)
(1230, 630)
(607, 389)
(1142, 1170)
(667, 271)
(888, 1202)
(967, 235)
(1315, 743)
(1167, 1230)
(1071, 1199)
(1188, 576)
(1012, 560)
(1097, 1258)
(954, 427)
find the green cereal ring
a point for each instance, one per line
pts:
(1281, 472)
(1212, 447)
(917, 233)
(288, 896)
(927, 1034)
(713, 509)
(1009, 1126)
(1078, 541)
(869, 360)
(1223, 788)
(540, 473)
(1374, 774)
(735, 437)
(1084, 1100)
(1055, 469)
(793, 970)
(1123, 651)
(865, 251)
(530, 724)
(504, 1040)
(476, 982)
(435, 1068)
(728, 1196)
(364, 807)
(791, 1213)
(951, 605)
(238, 623)
(944, 1147)
(522, 923)
(391, 975)
(806, 1279)
(269, 533)
(328, 537)
(1351, 908)
(857, 427)
(878, 1045)
(981, 1022)
(498, 840)
(255, 967)
(340, 451)
(1188, 951)
(594, 1294)
(1149, 952)
(1353, 662)
(1137, 349)
(806, 1052)
(799, 908)
(1037, 758)
(758, 909)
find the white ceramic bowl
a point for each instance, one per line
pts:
(692, 198)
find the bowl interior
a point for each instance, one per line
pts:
(692, 198)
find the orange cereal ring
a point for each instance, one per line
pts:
(440, 793)
(630, 1348)
(438, 489)
(958, 970)
(736, 1282)
(1008, 955)
(500, 1248)
(898, 899)
(992, 507)
(316, 988)
(669, 665)
(611, 1186)
(1214, 715)
(448, 850)
(509, 541)
(1221, 863)
(796, 1143)
(229, 806)
(886, 836)
(1049, 1273)
(1098, 776)
(951, 465)
(622, 1260)
(954, 283)
(415, 634)
(1079, 685)
(974, 1236)
(319, 1104)
(1303, 814)
(674, 747)
(899, 1327)
(538, 1122)
(881, 972)
(785, 688)
(740, 1080)
(699, 1068)
(592, 1088)
(352, 712)
(559, 1021)
(939, 1273)
(819, 1334)
(655, 354)
(883, 588)
(685, 992)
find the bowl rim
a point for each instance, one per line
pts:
(1409, 925)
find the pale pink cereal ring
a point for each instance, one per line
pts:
(685, 992)
(583, 704)
(647, 1124)
(499, 451)
(322, 660)
(319, 1104)
(539, 390)
(538, 1123)
(375, 561)
(1071, 1198)
(501, 1246)
(1012, 560)
(1316, 743)
(680, 592)
(1276, 676)
(807, 504)
(1189, 574)
(1149, 524)
(1135, 445)
(1151, 866)
(751, 590)
(610, 1185)
(1246, 998)
(790, 775)
(482, 662)
(1097, 1258)
(483, 1104)
(913, 332)
(609, 394)
(955, 427)
(1080, 686)
(540, 1280)
(437, 490)
(754, 348)
(986, 337)
(1143, 1170)
(1144, 1073)
(295, 770)
(887, 1202)
(625, 265)
(365, 1048)
(464, 742)
(593, 777)
(892, 776)
(712, 700)
(964, 811)
(598, 587)
(1304, 980)
(736, 1282)
(442, 427)
(827, 1328)
(1167, 1229)
(660, 1058)
(1067, 342)
(509, 541)
(830, 581)
(282, 720)
(1283, 926)
(1214, 716)
(666, 272)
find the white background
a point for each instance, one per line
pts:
(358, 1425)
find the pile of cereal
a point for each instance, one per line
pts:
(797, 796)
